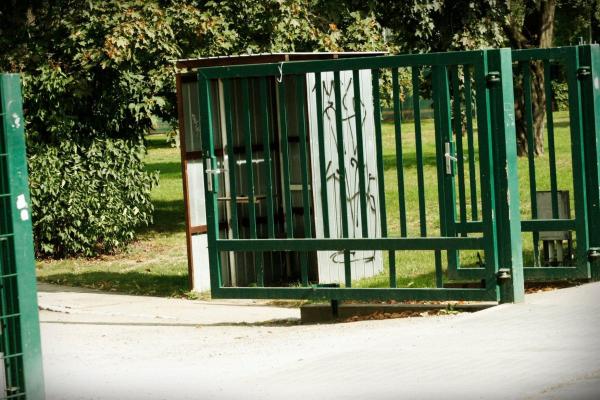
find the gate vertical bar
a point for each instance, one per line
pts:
(285, 159)
(419, 150)
(342, 172)
(211, 191)
(265, 107)
(306, 198)
(227, 90)
(457, 124)
(444, 152)
(20, 220)
(362, 187)
(321, 140)
(399, 155)
(247, 133)
(530, 154)
(380, 171)
(507, 202)
(551, 147)
(470, 142)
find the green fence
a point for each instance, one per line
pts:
(20, 333)
(227, 94)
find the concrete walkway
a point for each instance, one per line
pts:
(105, 346)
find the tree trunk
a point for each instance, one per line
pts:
(536, 30)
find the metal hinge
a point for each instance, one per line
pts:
(503, 274)
(449, 157)
(210, 172)
(594, 254)
(583, 72)
(492, 77)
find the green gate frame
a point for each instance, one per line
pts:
(20, 327)
(495, 110)
(582, 67)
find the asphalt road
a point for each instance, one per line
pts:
(104, 346)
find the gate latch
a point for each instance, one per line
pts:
(449, 157)
(210, 172)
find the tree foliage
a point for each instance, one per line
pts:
(99, 73)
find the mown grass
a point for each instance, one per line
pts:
(156, 264)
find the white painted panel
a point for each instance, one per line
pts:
(201, 263)
(331, 264)
(195, 185)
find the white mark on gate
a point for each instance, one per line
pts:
(21, 202)
(24, 215)
(16, 121)
(596, 83)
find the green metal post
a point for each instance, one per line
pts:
(12, 149)
(510, 255)
(578, 159)
(589, 75)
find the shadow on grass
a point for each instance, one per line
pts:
(167, 169)
(169, 217)
(426, 280)
(131, 282)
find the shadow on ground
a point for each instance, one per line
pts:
(131, 282)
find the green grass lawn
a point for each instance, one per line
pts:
(156, 264)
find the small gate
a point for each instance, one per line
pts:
(559, 212)
(487, 75)
(20, 349)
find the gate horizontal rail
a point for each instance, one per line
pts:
(381, 294)
(301, 244)
(346, 64)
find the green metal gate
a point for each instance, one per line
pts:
(487, 75)
(580, 68)
(20, 332)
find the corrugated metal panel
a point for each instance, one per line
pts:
(192, 119)
(364, 263)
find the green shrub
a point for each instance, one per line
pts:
(560, 91)
(88, 198)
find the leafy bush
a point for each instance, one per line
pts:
(96, 76)
(560, 92)
(88, 198)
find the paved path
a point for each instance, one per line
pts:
(104, 346)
